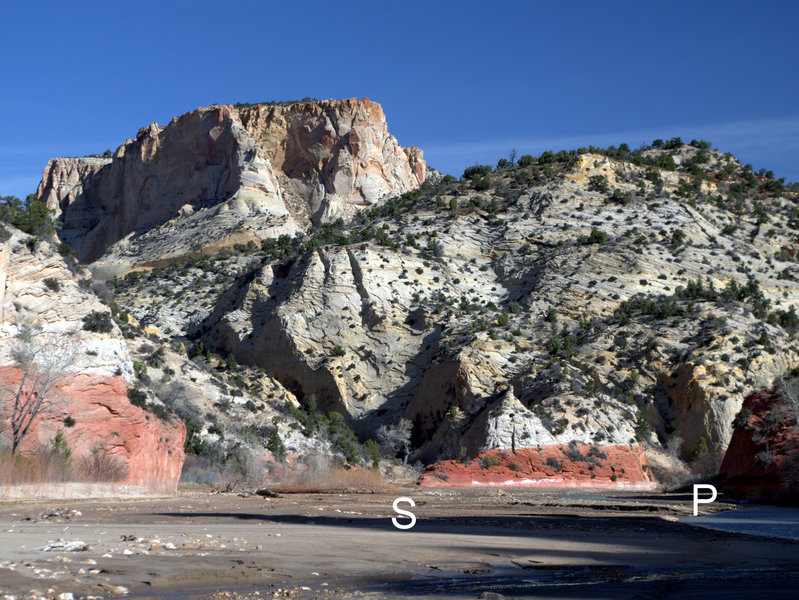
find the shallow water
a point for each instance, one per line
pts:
(770, 521)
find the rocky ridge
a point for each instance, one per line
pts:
(447, 306)
(334, 154)
(599, 298)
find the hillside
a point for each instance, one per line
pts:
(594, 302)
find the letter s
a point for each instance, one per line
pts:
(403, 513)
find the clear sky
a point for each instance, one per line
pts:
(465, 81)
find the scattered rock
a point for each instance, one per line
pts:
(76, 546)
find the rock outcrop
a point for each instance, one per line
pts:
(206, 180)
(547, 466)
(762, 460)
(554, 311)
(43, 304)
(64, 178)
(199, 182)
(334, 154)
(572, 299)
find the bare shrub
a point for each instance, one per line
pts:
(323, 472)
(43, 360)
(227, 468)
(396, 438)
(102, 466)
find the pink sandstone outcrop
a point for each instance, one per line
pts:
(762, 460)
(42, 310)
(554, 466)
(129, 441)
(334, 154)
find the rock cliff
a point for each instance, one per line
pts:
(201, 181)
(41, 295)
(762, 460)
(566, 310)
(603, 298)
(206, 180)
(334, 154)
(64, 178)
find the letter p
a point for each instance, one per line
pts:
(697, 501)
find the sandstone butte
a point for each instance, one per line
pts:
(221, 175)
(548, 466)
(762, 460)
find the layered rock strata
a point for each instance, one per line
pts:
(547, 466)
(43, 306)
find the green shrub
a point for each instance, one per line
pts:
(481, 183)
(554, 463)
(31, 216)
(373, 451)
(137, 397)
(98, 322)
(275, 445)
(599, 183)
(642, 425)
(597, 236)
(59, 448)
(52, 284)
(477, 171)
(742, 418)
(700, 449)
(487, 462)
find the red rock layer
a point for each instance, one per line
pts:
(762, 460)
(149, 449)
(555, 465)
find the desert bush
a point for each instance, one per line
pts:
(554, 463)
(373, 451)
(275, 445)
(98, 322)
(52, 284)
(597, 236)
(487, 462)
(101, 465)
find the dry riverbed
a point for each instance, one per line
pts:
(467, 543)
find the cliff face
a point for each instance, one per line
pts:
(201, 170)
(492, 324)
(39, 291)
(571, 299)
(63, 180)
(206, 180)
(334, 154)
(762, 460)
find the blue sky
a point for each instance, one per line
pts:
(465, 81)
